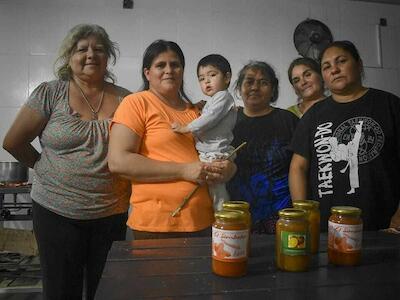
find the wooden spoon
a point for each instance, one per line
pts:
(187, 198)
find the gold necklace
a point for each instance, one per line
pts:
(95, 113)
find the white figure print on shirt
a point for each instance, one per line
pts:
(348, 153)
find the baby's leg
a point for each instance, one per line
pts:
(218, 194)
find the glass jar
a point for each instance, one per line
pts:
(238, 205)
(292, 240)
(244, 207)
(314, 217)
(345, 235)
(230, 234)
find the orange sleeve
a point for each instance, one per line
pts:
(131, 113)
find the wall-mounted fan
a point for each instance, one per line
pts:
(311, 37)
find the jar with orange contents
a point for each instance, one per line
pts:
(345, 235)
(245, 208)
(292, 240)
(314, 217)
(229, 243)
(238, 205)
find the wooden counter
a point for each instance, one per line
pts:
(181, 268)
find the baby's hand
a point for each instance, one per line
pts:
(176, 127)
(200, 105)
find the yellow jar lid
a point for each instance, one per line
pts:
(346, 210)
(241, 212)
(236, 204)
(306, 204)
(230, 215)
(292, 213)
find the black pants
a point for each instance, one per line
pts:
(73, 251)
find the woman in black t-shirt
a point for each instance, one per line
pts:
(263, 165)
(346, 148)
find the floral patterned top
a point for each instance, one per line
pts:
(71, 176)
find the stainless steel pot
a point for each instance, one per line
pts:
(13, 172)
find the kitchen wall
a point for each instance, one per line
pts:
(31, 32)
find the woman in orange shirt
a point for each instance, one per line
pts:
(162, 164)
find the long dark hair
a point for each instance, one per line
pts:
(155, 49)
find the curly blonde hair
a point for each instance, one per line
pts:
(62, 69)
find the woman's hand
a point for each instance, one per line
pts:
(219, 171)
(210, 173)
(195, 172)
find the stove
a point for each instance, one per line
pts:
(16, 208)
(19, 274)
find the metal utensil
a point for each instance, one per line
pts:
(187, 198)
(13, 172)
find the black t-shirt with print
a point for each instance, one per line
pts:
(354, 154)
(263, 165)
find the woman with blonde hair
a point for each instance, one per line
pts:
(79, 207)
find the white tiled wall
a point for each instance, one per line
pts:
(31, 32)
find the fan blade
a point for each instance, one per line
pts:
(303, 48)
(313, 53)
(308, 53)
(301, 36)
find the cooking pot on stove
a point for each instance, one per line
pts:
(13, 172)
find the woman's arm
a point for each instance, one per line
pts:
(123, 158)
(27, 125)
(298, 177)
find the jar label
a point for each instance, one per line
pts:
(229, 245)
(294, 243)
(343, 237)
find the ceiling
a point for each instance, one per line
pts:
(396, 2)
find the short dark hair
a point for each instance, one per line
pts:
(155, 49)
(347, 46)
(305, 61)
(266, 70)
(217, 61)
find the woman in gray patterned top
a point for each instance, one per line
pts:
(79, 207)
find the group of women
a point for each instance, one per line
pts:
(97, 151)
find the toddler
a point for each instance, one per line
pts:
(213, 129)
